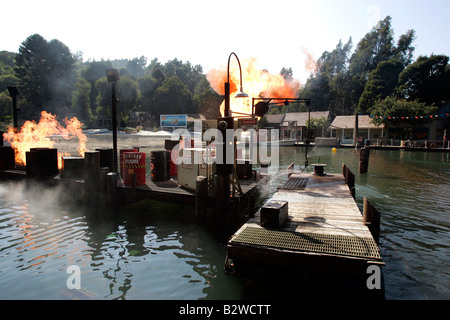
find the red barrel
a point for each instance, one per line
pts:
(122, 151)
(134, 163)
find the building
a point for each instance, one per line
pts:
(294, 125)
(343, 128)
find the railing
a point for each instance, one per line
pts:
(408, 143)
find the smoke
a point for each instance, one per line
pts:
(43, 202)
(310, 62)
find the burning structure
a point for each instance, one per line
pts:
(33, 135)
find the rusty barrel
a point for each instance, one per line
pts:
(160, 165)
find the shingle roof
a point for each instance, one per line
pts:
(348, 122)
(302, 117)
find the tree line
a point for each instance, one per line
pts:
(379, 78)
(49, 77)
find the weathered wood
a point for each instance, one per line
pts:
(324, 207)
(364, 154)
(91, 177)
(372, 218)
(274, 213)
(201, 197)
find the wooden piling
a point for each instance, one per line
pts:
(102, 196)
(364, 154)
(349, 179)
(91, 177)
(201, 197)
(371, 218)
(111, 191)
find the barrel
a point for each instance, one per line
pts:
(43, 162)
(106, 158)
(7, 158)
(122, 151)
(134, 163)
(160, 165)
(174, 153)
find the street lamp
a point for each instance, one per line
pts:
(13, 92)
(240, 94)
(112, 76)
(227, 122)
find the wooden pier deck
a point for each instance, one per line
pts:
(324, 232)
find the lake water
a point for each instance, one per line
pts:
(157, 251)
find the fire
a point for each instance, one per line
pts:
(33, 135)
(256, 83)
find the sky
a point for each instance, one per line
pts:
(276, 33)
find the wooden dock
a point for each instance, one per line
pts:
(324, 232)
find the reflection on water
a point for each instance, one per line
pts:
(157, 251)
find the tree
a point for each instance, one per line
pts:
(46, 73)
(81, 102)
(393, 111)
(172, 97)
(128, 95)
(377, 46)
(206, 101)
(136, 66)
(427, 80)
(382, 83)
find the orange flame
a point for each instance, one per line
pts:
(256, 83)
(34, 134)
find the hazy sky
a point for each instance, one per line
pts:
(276, 33)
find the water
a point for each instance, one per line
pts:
(157, 251)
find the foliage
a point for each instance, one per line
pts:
(427, 80)
(394, 111)
(46, 73)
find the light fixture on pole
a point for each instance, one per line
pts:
(13, 92)
(112, 76)
(240, 94)
(227, 122)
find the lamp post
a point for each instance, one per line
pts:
(112, 76)
(13, 92)
(227, 121)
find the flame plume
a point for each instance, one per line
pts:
(34, 134)
(256, 83)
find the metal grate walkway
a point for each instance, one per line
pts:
(310, 242)
(294, 183)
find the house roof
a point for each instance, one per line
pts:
(274, 118)
(302, 117)
(348, 122)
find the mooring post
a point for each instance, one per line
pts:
(111, 191)
(102, 198)
(201, 197)
(91, 177)
(364, 154)
(371, 218)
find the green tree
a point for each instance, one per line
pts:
(128, 95)
(382, 82)
(46, 73)
(136, 67)
(393, 111)
(427, 80)
(206, 101)
(81, 102)
(375, 47)
(172, 97)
